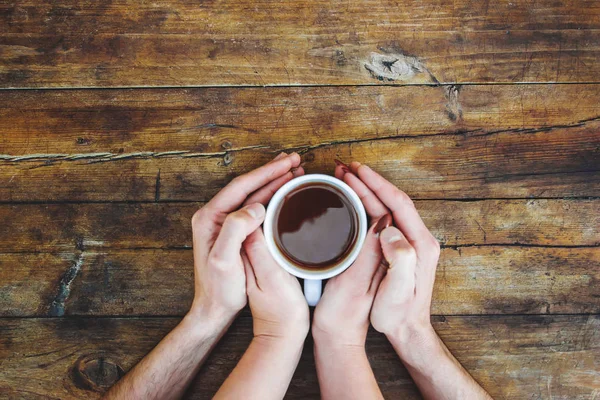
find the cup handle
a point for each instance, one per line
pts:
(312, 291)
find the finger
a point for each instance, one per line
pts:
(373, 206)
(298, 171)
(279, 156)
(402, 259)
(340, 169)
(264, 194)
(405, 214)
(237, 226)
(265, 267)
(250, 277)
(378, 277)
(363, 269)
(234, 194)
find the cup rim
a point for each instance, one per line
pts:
(270, 215)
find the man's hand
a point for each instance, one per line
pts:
(219, 229)
(401, 309)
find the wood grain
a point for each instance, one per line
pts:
(435, 142)
(472, 280)
(80, 124)
(513, 357)
(77, 227)
(181, 43)
(553, 163)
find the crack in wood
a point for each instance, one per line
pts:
(105, 157)
(453, 104)
(57, 307)
(157, 187)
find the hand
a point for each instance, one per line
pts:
(219, 229)
(342, 315)
(403, 301)
(401, 309)
(279, 310)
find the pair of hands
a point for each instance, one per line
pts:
(232, 263)
(389, 284)
(391, 281)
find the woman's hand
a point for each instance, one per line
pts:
(220, 228)
(279, 315)
(279, 310)
(341, 319)
(342, 314)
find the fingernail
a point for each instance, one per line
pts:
(354, 165)
(338, 162)
(280, 156)
(391, 235)
(383, 223)
(256, 211)
(345, 169)
(296, 172)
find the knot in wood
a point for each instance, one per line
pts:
(96, 373)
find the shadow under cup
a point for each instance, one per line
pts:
(314, 227)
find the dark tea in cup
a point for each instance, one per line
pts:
(316, 226)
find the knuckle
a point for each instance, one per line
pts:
(403, 198)
(237, 218)
(236, 180)
(198, 217)
(406, 253)
(434, 245)
(217, 262)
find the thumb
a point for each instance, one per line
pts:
(236, 228)
(402, 260)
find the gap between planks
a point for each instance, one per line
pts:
(342, 85)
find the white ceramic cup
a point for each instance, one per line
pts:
(313, 279)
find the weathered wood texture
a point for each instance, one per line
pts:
(436, 142)
(513, 357)
(71, 124)
(77, 227)
(178, 43)
(557, 163)
(472, 280)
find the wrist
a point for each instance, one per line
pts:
(279, 343)
(203, 317)
(337, 344)
(339, 338)
(415, 342)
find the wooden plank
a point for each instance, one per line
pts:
(472, 280)
(77, 227)
(481, 141)
(550, 163)
(79, 123)
(179, 43)
(513, 357)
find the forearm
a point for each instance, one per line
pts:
(169, 368)
(433, 368)
(344, 372)
(264, 371)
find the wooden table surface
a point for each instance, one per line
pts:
(119, 118)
